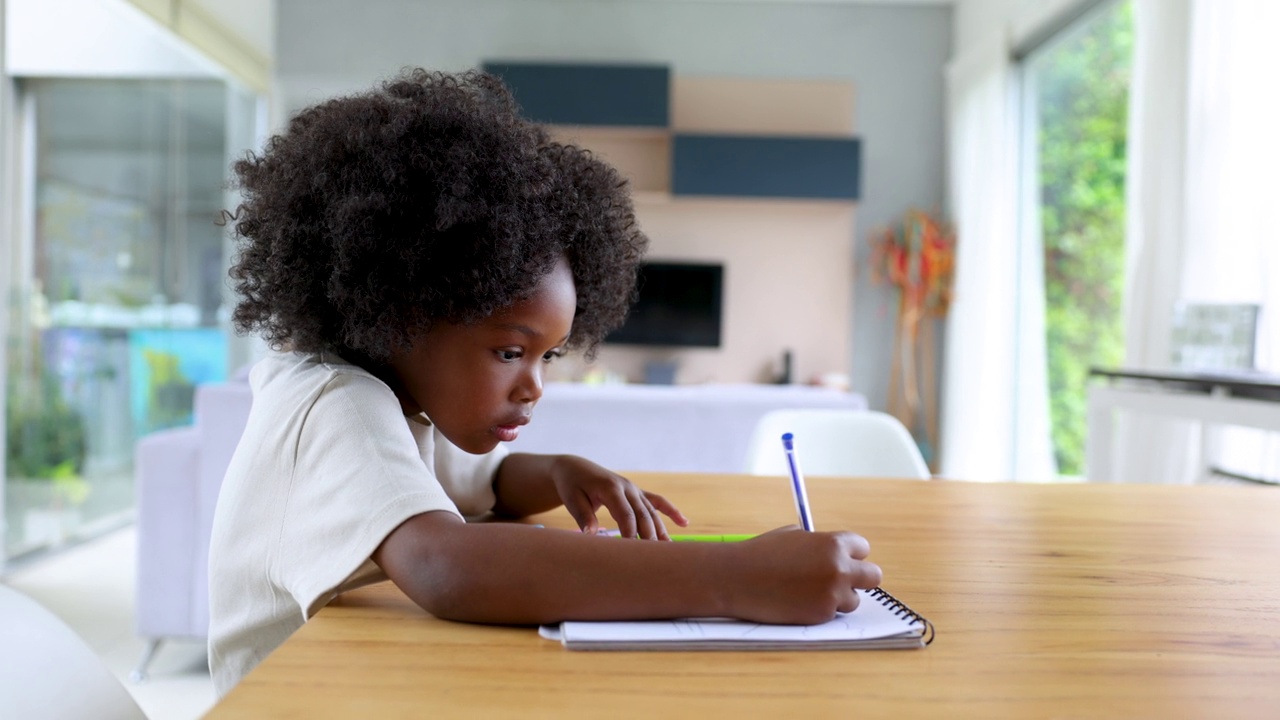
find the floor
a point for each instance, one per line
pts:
(90, 587)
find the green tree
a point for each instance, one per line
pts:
(1082, 97)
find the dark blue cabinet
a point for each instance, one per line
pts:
(574, 94)
(760, 166)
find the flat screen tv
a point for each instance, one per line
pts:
(679, 305)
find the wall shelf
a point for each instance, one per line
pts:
(749, 139)
(583, 94)
(765, 166)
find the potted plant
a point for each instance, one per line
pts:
(44, 456)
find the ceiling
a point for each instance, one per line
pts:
(254, 22)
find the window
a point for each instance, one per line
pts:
(1075, 110)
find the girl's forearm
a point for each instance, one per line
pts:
(517, 574)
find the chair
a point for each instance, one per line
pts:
(47, 672)
(861, 443)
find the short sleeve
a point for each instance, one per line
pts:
(467, 478)
(359, 474)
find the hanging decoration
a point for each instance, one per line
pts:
(917, 256)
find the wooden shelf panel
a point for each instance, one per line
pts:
(730, 106)
(644, 158)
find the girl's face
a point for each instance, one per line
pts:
(478, 383)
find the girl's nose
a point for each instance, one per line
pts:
(530, 387)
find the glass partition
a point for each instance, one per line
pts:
(117, 307)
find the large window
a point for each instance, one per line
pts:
(117, 304)
(1075, 113)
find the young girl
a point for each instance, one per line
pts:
(419, 252)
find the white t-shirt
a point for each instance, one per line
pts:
(327, 467)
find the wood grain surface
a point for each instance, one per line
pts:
(1071, 600)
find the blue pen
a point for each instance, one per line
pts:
(797, 483)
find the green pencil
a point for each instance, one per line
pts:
(689, 538)
(710, 538)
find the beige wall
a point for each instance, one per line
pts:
(788, 284)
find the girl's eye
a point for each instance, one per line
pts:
(508, 355)
(552, 355)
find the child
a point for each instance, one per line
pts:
(421, 252)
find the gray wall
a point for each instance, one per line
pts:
(893, 54)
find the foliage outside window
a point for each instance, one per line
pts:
(1082, 95)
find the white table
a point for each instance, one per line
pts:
(663, 428)
(1244, 399)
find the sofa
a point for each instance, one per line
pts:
(177, 475)
(702, 428)
(664, 428)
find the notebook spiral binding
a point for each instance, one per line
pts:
(900, 609)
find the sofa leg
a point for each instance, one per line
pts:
(139, 674)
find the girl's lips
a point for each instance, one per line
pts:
(510, 431)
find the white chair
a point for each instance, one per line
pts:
(47, 672)
(860, 443)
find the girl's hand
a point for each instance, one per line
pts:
(584, 486)
(792, 576)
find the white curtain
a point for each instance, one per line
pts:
(1233, 142)
(994, 407)
(1203, 149)
(1151, 449)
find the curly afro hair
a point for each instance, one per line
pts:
(428, 199)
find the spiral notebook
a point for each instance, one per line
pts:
(881, 622)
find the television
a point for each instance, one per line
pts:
(678, 305)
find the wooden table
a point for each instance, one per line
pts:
(1049, 601)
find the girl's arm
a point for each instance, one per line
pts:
(527, 484)
(518, 574)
